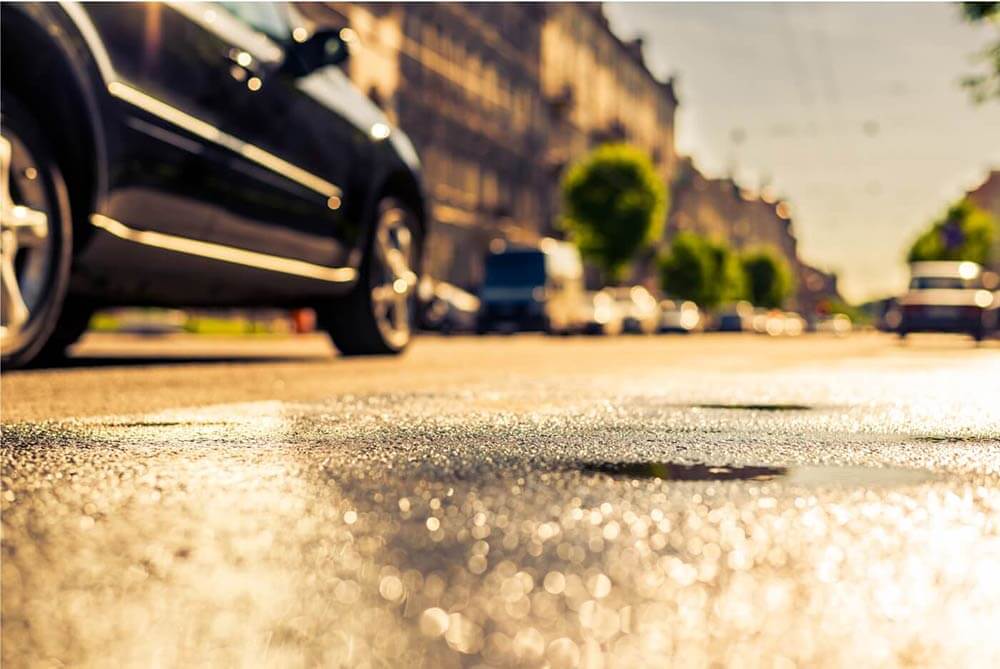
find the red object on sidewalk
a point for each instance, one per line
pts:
(303, 320)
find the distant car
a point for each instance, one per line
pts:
(774, 322)
(201, 155)
(731, 321)
(947, 296)
(601, 314)
(759, 320)
(532, 289)
(641, 312)
(683, 317)
(738, 318)
(837, 324)
(792, 324)
(446, 308)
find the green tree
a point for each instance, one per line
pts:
(985, 85)
(614, 205)
(729, 283)
(701, 270)
(965, 232)
(768, 277)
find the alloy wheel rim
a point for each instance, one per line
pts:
(394, 281)
(25, 242)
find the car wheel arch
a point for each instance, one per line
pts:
(79, 139)
(403, 186)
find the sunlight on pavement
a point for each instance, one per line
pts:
(450, 529)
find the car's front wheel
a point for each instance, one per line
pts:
(35, 239)
(377, 317)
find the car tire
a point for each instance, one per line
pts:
(74, 319)
(37, 241)
(378, 316)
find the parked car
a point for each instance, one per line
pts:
(641, 312)
(602, 314)
(759, 320)
(200, 155)
(679, 316)
(776, 323)
(837, 324)
(446, 308)
(532, 289)
(792, 324)
(737, 318)
(947, 296)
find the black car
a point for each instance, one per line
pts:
(204, 154)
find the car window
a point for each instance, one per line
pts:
(265, 17)
(515, 269)
(937, 282)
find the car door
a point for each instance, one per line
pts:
(169, 165)
(302, 191)
(205, 154)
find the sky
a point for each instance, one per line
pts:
(853, 112)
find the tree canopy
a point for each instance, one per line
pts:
(614, 205)
(965, 232)
(701, 270)
(985, 85)
(768, 277)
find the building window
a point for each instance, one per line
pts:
(489, 188)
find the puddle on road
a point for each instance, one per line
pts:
(756, 407)
(798, 475)
(165, 423)
(956, 439)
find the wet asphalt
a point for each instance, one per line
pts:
(512, 501)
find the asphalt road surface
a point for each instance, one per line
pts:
(524, 501)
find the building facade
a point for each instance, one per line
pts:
(598, 89)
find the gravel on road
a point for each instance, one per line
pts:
(510, 502)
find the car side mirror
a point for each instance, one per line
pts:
(322, 48)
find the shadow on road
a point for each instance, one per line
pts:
(86, 361)
(108, 350)
(800, 474)
(944, 342)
